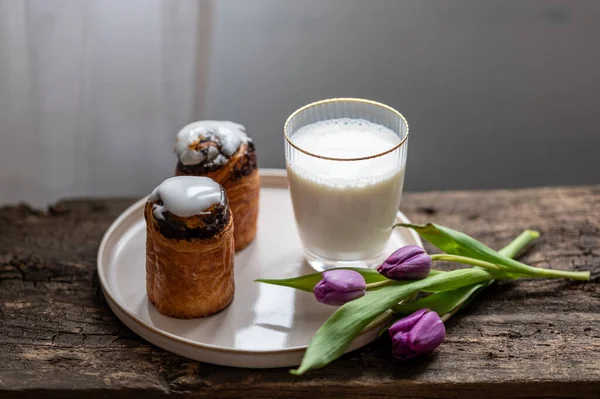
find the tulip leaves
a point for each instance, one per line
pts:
(454, 290)
(448, 301)
(336, 334)
(450, 291)
(456, 243)
(308, 281)
(303, 283)
(442, 302)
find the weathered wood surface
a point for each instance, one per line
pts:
(58, 337)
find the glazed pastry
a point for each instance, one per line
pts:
(189, 247)
(223, 151)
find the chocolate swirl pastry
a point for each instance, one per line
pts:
(223, 151)
(202, 226)
(189, 247)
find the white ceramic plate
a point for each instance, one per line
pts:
(265, 326)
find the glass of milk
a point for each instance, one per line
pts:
(345, 162)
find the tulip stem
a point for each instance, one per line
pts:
(466, 261)
(520, 244)
(539, 272)
(451, 313)
(379, 284)
(535, 272)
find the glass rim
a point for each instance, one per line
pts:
(344, 99)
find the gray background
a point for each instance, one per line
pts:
(498, 94)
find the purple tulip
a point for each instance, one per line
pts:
(407, 263)
(417, 334)
(340, 286)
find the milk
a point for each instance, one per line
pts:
(345, 209)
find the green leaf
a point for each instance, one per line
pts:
(448, 301)
(457, 243)
(441, 302)
(520, 245)
(308, 281)
(304, 283)
(334, 336)
(370, 275)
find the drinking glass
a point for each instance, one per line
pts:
(345, 206)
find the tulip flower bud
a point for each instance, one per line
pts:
(417, 334)
(407, 263)
(339, 286)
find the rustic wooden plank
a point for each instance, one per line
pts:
(531, 338)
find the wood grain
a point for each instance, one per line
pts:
(526, 339)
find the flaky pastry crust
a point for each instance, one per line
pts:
(241, 181)
(188, 278)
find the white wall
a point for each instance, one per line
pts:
(497, 93)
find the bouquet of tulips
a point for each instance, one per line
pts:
(405, 291)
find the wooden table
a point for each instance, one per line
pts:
(58, 337)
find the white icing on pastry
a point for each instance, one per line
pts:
(229, 135)
(186, 196)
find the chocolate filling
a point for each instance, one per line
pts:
(243, 168)
(174, 227)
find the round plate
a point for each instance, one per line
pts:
(265, 325)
